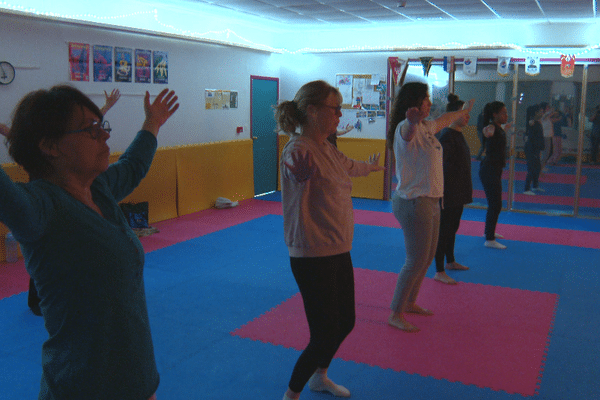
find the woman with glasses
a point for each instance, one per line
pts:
(318, 227)
(85, 260)
(416, 200)
(33, 300)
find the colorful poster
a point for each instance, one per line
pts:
(532, 66)
(143, 66)
(567, 65)
(344, 85)
(79, 61)
(160, 61)
(102, 63)
(123, 64)
(470, 66)
(503, 66)
(233, 100)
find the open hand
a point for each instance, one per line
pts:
(374, 162)
(160, 110)
(4, 130)
(302, 167)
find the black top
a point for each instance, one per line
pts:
(495, 149)
(535, 137)
(458, 188)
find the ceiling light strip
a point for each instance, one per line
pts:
(434, 5)
(490, 8)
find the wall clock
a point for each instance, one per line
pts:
(7, 73)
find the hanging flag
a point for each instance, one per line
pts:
(396, 65)
(426, 61)
(470, 66)
(503, 66)
(567, 65)
(532, 66)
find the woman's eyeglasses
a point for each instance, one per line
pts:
(96, 129)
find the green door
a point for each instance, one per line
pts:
(264, 94)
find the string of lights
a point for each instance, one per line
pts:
(231, 38)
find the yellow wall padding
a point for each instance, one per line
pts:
(159, 187)
(17, 174)
(370, 187)
(470, 134)
(210, 170)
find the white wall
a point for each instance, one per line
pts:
(39, 51)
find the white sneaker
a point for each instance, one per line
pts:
(494, 245)
(538, 189)
(529, 193)
(498, 236)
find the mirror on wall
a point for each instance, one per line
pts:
(589, 191)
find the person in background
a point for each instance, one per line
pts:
(333, 137)
(480, 136)
(416, 200)
(85, 260)
(560, 119)
(318, 228)
(495, 116)
(595, 135)
(534, 144)
(33, 300)
(549, 117)
(458, 190)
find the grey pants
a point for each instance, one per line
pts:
(420, 220)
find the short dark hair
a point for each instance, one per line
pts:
(43, 115)
(490, 109)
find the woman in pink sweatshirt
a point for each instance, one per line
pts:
(318, 227)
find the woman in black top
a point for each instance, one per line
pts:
(458, 190)
(534, 144)
(490, 170)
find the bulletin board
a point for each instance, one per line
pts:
(363, 98)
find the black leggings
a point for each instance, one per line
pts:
(449, 223)
(534, 167)
(491, 179)
(327, 288)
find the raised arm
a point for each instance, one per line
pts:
(110, 100)
(159, 111)
(448, 118)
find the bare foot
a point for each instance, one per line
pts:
(415, 309)
(397, 320)
(456, 266)
(444, 278)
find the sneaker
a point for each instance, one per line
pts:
(498, 236)
(538, 189)
(494, 245)
(529, 193)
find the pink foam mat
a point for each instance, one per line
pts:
(487, 336)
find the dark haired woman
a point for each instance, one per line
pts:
(495, 116)
(458, 190)
(415, 201)
(534, 144)
(318, 226)
(86, 262)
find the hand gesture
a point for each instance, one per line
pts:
(414, 115)
(4, 130)
(159, 111)
(302, 167)
(346, 129)
(374, 162)
(110, 100)
(469, 106)
(489, 130)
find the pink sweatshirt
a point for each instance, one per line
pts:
(318, 218)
